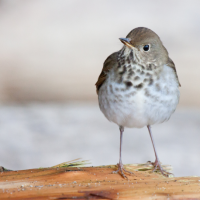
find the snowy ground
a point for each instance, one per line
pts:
(39, 135)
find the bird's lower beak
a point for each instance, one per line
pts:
(126, 41)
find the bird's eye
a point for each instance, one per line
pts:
(146, 47)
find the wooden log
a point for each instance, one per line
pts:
(96, 183)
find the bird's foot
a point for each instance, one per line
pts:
(121, 171)
(158, 167)
(2, 169)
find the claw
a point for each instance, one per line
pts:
(121, 171)
(2, 169)
(157, 166)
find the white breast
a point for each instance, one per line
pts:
(139, 108)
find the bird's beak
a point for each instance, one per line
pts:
(126, 41)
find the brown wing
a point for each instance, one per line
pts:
(109, 63)
(172, 65)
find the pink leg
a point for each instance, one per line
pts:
(157, 164)
(120, 165)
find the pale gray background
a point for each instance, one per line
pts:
(51, 53)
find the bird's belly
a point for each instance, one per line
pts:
(137, 108)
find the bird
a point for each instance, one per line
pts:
(138, 87)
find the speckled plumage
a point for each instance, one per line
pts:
(138, 88)
(135, 96)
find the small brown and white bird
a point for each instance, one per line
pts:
(138, 86)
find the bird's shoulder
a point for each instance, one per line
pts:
(109, 63)
(171, 64)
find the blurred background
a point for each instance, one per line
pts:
(51, 54)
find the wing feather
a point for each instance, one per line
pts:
(109, 63)
(172, 65)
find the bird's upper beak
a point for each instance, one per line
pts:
(126, 41)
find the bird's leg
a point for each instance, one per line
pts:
(157, 164)
(3, 169)
(120, 165)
